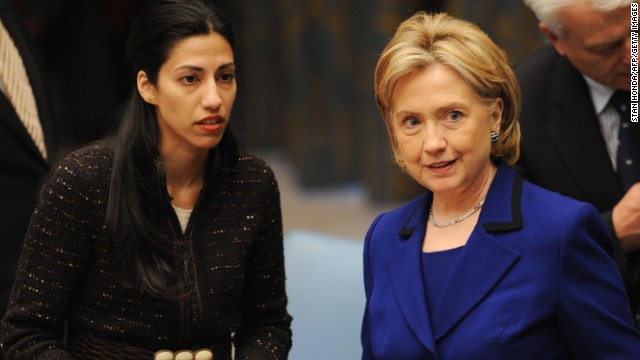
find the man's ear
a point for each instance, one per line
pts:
(146, 89)
(553, 38)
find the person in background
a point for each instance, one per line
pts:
(483, 265)
(27, 142)
(165, 240)
(577, 135)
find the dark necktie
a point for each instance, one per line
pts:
(628, 154)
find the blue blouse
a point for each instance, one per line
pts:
(436, 267)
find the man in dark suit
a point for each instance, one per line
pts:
(22, 163)
(569, 123)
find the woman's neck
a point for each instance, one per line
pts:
(453, 204)
(184, 175)
(453, 216)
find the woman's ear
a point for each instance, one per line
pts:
(496, 116)
(146, 89)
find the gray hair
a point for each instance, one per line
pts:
(548, 11)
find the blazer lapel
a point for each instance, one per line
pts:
(15, 126)
(404, 270)
(484, 259)
(576, 133)
(12, 121)
(481, 265)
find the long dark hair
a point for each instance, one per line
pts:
(134, 180)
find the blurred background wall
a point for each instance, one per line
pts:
(305, 75)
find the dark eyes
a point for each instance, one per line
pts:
(227, 77)
(189, 79)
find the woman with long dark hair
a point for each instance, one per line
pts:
(164, 240)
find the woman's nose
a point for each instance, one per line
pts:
(432, 139)
(211, 98)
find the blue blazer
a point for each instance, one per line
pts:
(536, 280)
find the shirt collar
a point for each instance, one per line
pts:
(600, 94)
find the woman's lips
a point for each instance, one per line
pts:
(441, 166)
(211, 124)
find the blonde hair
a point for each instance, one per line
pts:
(426, 39)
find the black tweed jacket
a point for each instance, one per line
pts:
(68, 299)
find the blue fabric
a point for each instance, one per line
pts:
(436, 267)
(535, 280)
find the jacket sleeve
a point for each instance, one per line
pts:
(265, 332)
(54, 257)
(594, 314)
(367, 351)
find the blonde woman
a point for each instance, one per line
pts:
(484, 265)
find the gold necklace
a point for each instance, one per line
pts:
(456, 220)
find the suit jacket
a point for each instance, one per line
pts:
(21, 164)
(535, 280)
(562, 148)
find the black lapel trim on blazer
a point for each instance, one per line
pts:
(406, 232)
(516, 211)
